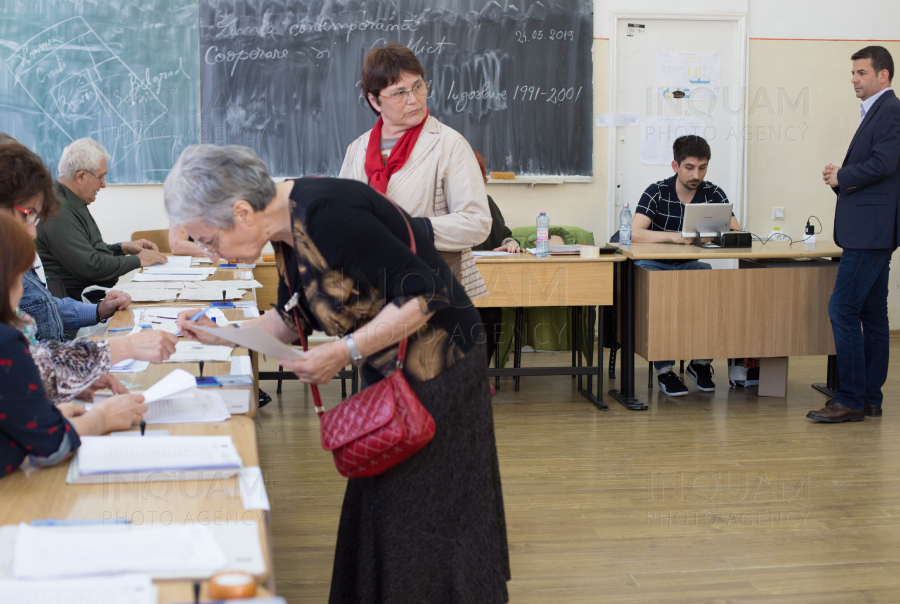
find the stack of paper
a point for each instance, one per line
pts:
(174, 262)
(190, 407)
(159, 551)
(225, 284)
(212, 292)
(194, 352)
(140, 277)
(124, 589)
(129, 366)
(102, 455)
(174, 270)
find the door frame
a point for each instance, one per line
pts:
(742, 66)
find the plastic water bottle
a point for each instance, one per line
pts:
(625, 225)
(543, 235)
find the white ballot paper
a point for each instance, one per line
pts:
(189, 407)
(103, 455)
(166, 277)
(254, 338)
(44, 553)
(194, 352)
(124, 589)
(176, 382)
(174, 262)
(212, 293)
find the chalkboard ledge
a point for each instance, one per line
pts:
(541, 180)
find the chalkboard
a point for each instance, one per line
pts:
(514, 78)
(125, 72)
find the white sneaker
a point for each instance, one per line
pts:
(737, 375)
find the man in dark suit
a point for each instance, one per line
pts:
(865, 226)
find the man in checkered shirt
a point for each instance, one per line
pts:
(658, 218)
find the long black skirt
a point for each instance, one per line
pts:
(431, 530)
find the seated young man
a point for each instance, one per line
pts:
(658, 218)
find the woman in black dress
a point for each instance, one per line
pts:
(432, 528)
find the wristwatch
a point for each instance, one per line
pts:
(117, 250)
(356, 357)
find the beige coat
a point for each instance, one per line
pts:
(440, 181)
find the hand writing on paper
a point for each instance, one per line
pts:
(320, 364)
(189, 329)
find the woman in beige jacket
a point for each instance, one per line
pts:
(425, 167)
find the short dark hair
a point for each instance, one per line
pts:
(691, 146)
(16, 257)
(880, 57)
(23, 175)
(382, 68)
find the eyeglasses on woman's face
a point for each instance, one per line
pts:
(29, 216)
(401, 96)
(210, 249)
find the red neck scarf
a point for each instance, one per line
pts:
(380, 174)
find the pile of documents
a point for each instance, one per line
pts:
(124, 589)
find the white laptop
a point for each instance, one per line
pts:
(706, 219)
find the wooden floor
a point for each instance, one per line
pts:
(712, 497)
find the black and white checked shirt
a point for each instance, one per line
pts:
(661, 205)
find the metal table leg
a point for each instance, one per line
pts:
(832, 381)
(626, 394)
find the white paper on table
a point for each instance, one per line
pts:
(130, 366)
(659, 133)
(230, 284)
(237, 400)
(171, 328)
(177, 381)
(102, 455)
(241, 366)
(47, 552)
(200, 260)
(214, 294)
(245, 265)
(256, 339)
(253, 489)
(153, 295)
(250, 312)
(167, 277)
(132, 286)
(123, 589)
(489, 254)
(245, 304)
(192, 406)
(174, 262)
(245, 275)
(194, 352)
(175, 270)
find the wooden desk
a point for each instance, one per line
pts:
(525, 280)
(45, 494)
(759, 312)
(266, 273)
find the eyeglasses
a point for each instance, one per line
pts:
(401, 95)
(208, 248)
(29, 216)
(100, 178)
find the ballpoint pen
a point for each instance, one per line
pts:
(143, 427)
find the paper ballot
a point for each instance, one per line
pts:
(167, 277)
(194, 352)
(102, 455)
(189, 407)
(256, 339)
(176, 382)
(174, 262)
(124, 589)
(45, 553)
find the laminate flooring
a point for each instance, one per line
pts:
(711, 497)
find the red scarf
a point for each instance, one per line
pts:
(380, 173)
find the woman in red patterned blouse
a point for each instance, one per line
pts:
(29, 423)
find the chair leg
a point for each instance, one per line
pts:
(579, 344)
(650, 375)
(497, 360)
(278, 390)
(574, 332)
(612, 362)
(682, 366)
(343, 388)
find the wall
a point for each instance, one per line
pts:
(799, 48)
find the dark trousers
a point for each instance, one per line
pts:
(859, 320)
(493, 322)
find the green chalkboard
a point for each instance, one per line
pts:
(124, 72)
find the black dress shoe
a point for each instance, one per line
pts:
(264, 398)
(872, 410)
(834, 412)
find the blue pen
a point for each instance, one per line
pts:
(53, 522)
(198, 315)
(121, 329)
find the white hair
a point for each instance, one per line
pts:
(84, 154)
(207, 180)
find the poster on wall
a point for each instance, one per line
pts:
(688, 74)
(659, 133)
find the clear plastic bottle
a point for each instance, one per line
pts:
(542, 244)
(625, 225)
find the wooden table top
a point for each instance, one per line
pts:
(527, 258)
(772, 249)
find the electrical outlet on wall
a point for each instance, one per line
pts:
(778, 235)
(777, 213)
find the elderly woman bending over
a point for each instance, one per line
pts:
(432, 528)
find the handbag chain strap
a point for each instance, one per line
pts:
(294, 300)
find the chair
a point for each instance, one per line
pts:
(160, 237)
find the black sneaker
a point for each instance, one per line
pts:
(671, 384)
(702, 374)
(264, 398)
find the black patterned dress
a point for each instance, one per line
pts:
(430, 530)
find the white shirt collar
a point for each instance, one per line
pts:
(867, 104)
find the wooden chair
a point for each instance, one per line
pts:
(160, 237)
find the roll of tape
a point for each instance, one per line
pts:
(231, 585)
(590, 251)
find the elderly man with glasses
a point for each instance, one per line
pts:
(70, 244)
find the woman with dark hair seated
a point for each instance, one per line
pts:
(30, 425)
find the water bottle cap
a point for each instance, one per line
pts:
(542, 211)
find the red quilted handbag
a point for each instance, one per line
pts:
(377, 428)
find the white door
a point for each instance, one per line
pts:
(652, 57)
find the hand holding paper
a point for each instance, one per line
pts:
(253, 338)
(177, 381)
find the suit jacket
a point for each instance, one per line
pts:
(866, 216)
